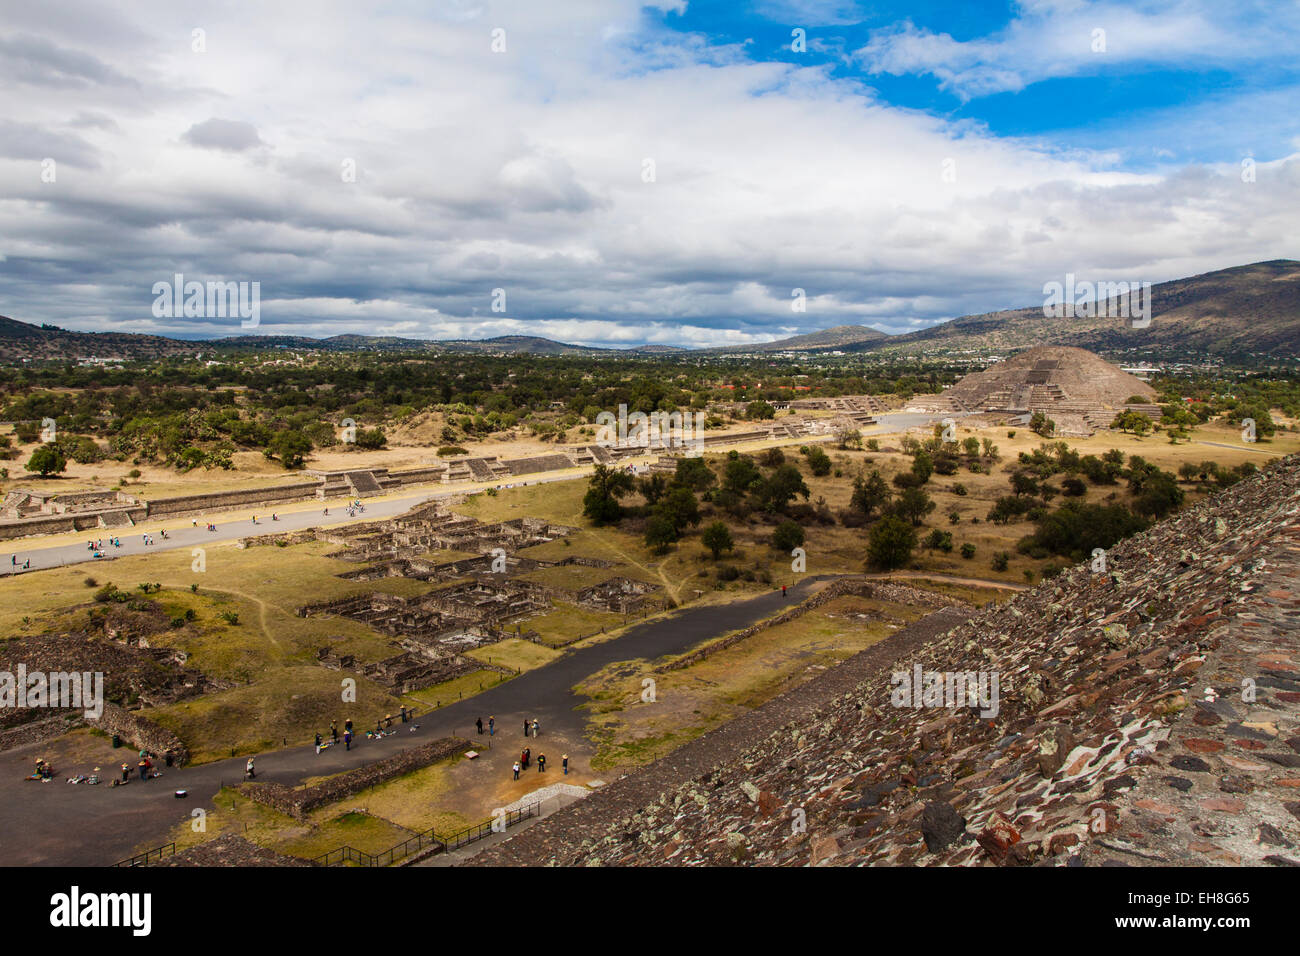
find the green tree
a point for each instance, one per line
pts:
(913, 504)
(679, 507)
(1131, 421)
(870, 494)
(607, 486)
(660, 534)
(291, 447)
(741, 475)
(652, 487)
(818, 461)
(776, 492)
(695, 474)
(717, 538)
(891, 543)
(787, 536)
(47, 460)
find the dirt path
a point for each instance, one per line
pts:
(261, 611)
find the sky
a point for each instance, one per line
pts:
(616, 173)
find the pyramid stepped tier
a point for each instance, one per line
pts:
(115, 519)
(531, 466)
(1046, 375)
(363, 484)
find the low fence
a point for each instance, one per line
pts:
(345, 855)
(142, 859)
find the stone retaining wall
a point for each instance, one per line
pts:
(298, 802)
(141, 732)
(863, 587)
(39, 731)
(218, 500)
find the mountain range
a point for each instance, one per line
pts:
(1244, 313)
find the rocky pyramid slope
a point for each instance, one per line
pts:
(1148, 712)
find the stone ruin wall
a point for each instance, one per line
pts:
(298, 802)
(141, 732)
(861, 587)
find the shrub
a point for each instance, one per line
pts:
(818, 461)
(787, 536)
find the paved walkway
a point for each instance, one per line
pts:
(230, 531)
(227, 531)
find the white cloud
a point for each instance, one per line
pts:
(524, 171)
(1055, 38)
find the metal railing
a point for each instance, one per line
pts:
(345, 855)
(142, 859)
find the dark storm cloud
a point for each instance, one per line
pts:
(216, 133)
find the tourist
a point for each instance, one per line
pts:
(535, 730)
(492, 726)
(403, 713)
(541, 763)
(783, 590)
(479, 724)
(334, 731)
(144, 769)
(126, 773)
(347, 739)
(526, 725)
(347, 726)
(318, 743)
(248, 769)
(564, 762)
(516, 769)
